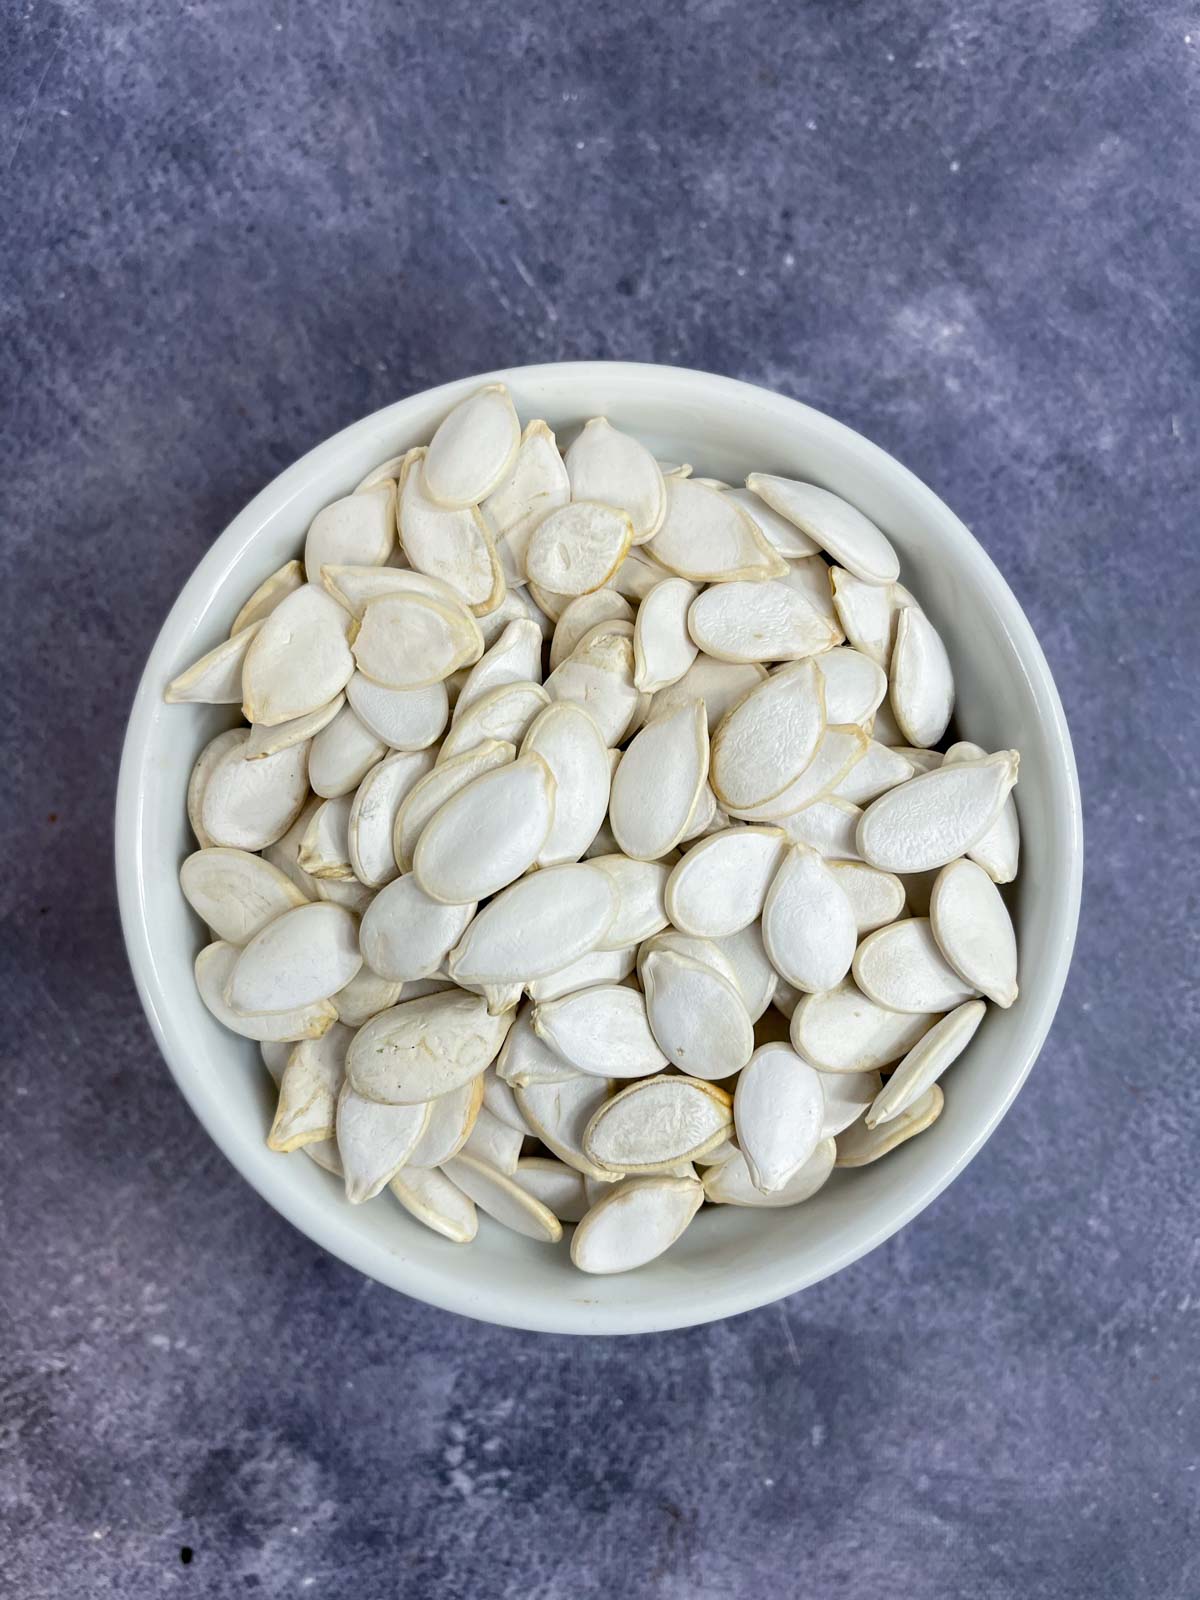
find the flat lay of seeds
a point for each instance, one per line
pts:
(599, 848)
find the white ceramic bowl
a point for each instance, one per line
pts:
(731, 1259)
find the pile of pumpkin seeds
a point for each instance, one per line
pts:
(589, 854)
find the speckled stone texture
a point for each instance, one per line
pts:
(967, 227)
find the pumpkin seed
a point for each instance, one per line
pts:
(305, 955)
(847, 1097)
(922, 681)
(578, 548)
(698, 1019)
(503, 1200)
(927, 760)
(830, 826)
(372, 821)
(430, 1197)
(375, 1141)
(299, 659)
(860, 1145)
(839, 751)
(569, 742)
(494, 1143)
(355, 587)
(516, 657)
(525, 1059)
(451, 1118)
(502, 714)
(345, 892)
(663, 649)
(598, 966)
(884, 728)
(641, 888)
(602, 1030)
(875, 897)
(785, 999)
(406, 935)
(635, 1224)
(308, 1092)
(998, 848)
(854, 685)
(535, 927)
(408, 641)
(473, 448)
(451, 544)
(585, 612)
(377, 475)
(638, 574)
(783, 536)
(844, 1031)
(808, 924)
(405, 719)
(325, 848)
(559, 1188)
(878, 770)
(247, 805)
(216, 679)
(708, 537)
(925, 1063)
(833, 524)
(269, 741)
(500, 1101)
(487, 834)
(730, 1184)
(754, 975)
(746, 622)
(285, 852)
(769, 737)
(612, 467)
(214, 966)
(974, 931)
(778, 1111)
(431, 792)
(901, 967)
(720, 684)
(936, 817)
(658, 781)
(232, 739)
(365, 995)
(536, 485)
(656, 1122)
(341, 755)
(236, 893)
(359, 530)
(424, 1048)
(268, 595)
(598, 675)
(517, 606)
(705, 817)
(720, 886)
(867, 613)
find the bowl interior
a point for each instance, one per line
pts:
(730, 1260)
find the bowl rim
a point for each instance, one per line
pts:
(452, 1291)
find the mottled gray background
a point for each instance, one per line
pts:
(968, 228)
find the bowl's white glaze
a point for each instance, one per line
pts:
(730, 1260)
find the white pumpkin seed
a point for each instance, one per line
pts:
(215, 964)
(299, 659)
(231, 739)
(901, 967)
(753, 973)
(883, 726)
(569, 742)
(706, 817)
(270, 592)
(406, 935)
(635, 1224)
(285, 852)
(386, 469)
(375, 1141)
(502, 714)
(698, 1019)
(345, 892)
(602, 1030)
(341, 755)
(325, 848)
(778, 1111)
(559, 1112)
(998, 848)
(612, 467)
(860, 1145)
(431, 792)
(783, 536)
(525, 1059)
(844, 1031)
(408, 641)
(372, 821)
(559, 1188)
(536, 927)
(355, 587)
(657, 1122)
(551, 604)
(921, 680)
(663, 649)
(269, 741)
(925, 1063)
(305, 955)
(730, 1184)
(974, 931)
(503, 1200)
(785, 999)
(927, 760)
(637, 575)
(769, 737)
(829, 826)
(641, 888)
(364, 996)
(430, 1197)
(216, 679)
(878, 770)
(500, 1101)
(424, 1048)
(473, 448)
(451, 1118)
(359, 530)
(405, 719)
(451, 544)
(707, 537)
(875, 897)
(578, 548)
(720, 684)
(720, 885)
(517, 606)
(854, 685)
(867, 613)
(833, 524)
(598, 966)
(745, 622)
(494, 1143)
(847, 1097)
(308, 1092)
(585, 612)
(487, 834)
(535, 485)
(516, 657)
(705, 951)
(236, 893)
(250, 804)
(808, 924)
(658, 781)
(838, 753)
(936, 817)
(598, 675)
